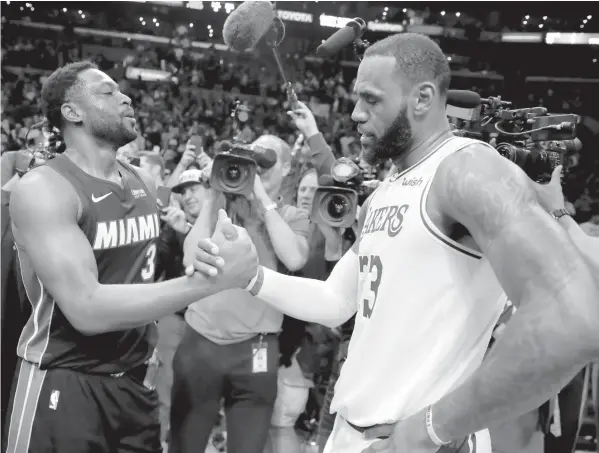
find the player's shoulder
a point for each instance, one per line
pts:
(40, 191)
(477, 182)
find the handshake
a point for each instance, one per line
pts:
(229, 258)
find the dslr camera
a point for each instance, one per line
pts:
(339, 194)
(235, 166)
(532, 138)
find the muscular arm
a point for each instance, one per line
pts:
(291, 248)
(44, 214)
(554, 333)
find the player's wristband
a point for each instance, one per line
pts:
(431, 431)
(256, 283)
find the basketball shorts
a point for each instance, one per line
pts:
(60, 410)
(347, 439)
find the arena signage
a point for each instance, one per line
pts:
(385, 26)
(294, 16)
(333, 21)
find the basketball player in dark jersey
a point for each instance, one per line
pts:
(85, 226)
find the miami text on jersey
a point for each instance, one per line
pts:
(130, 230)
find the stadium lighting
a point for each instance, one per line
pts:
(209, 27)
(64, 10)
(594, 60)
(457, 14)
(544, 17)
(443, 13)
(448, 58)
(405, 10)
(191, 24)
(83, 16)
(582, 26)
(524, 22)
(80, 12)
(540, 25)
(32, 8)
(584, 21)
(157, 24)
(141, 19)
(154, 20)
(589, 17)
(386, 8)
(527, 17)
(144, 22)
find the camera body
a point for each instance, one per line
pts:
(338, 196)
(235, 166)
(533, 139)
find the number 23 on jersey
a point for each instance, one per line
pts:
(371, 273)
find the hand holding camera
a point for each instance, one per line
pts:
(189, 156)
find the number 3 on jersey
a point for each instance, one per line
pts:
(147, 272)
(371, 272)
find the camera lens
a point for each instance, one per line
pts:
(233, 173)
(338, 206)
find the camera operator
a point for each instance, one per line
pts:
(190, 156)
(230, 347)
(176, 224)
(552, 199)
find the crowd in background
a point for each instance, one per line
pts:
(199, 101)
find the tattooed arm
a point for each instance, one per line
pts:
(555, 331)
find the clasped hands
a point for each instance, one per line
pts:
(229, 257)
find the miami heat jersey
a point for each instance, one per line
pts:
(426, 304)
(121, 224)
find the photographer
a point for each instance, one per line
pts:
(191, 156)
(230, 347)
(176, 224)
(552, 199)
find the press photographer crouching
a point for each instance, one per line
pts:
(230, 348)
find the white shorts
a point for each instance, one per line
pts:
(345, 439)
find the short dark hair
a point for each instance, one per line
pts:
(417, 57)
(57, 89)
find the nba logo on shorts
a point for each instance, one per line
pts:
(54, 399)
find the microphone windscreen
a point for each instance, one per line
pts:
(224, 146)
(265, 157)
(326, 181)
(340, 39)
(463, 98)
(247, 24)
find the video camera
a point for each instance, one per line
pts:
(533, 139)
(339, 194)
(234, 167)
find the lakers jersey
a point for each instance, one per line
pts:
(426, 304)
(121, 224)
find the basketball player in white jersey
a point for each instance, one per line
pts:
(440, 238)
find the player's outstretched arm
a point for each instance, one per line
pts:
(330, 303)
(554, 333)
(44, 211)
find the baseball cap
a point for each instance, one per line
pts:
(188, 178)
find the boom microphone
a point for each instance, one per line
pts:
(342, 38)
(463, 98)
(247, 24)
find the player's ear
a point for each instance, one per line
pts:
(423, 95)
(72, 113)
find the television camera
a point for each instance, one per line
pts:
(235, 166)
(533, 139)
(339, 194)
